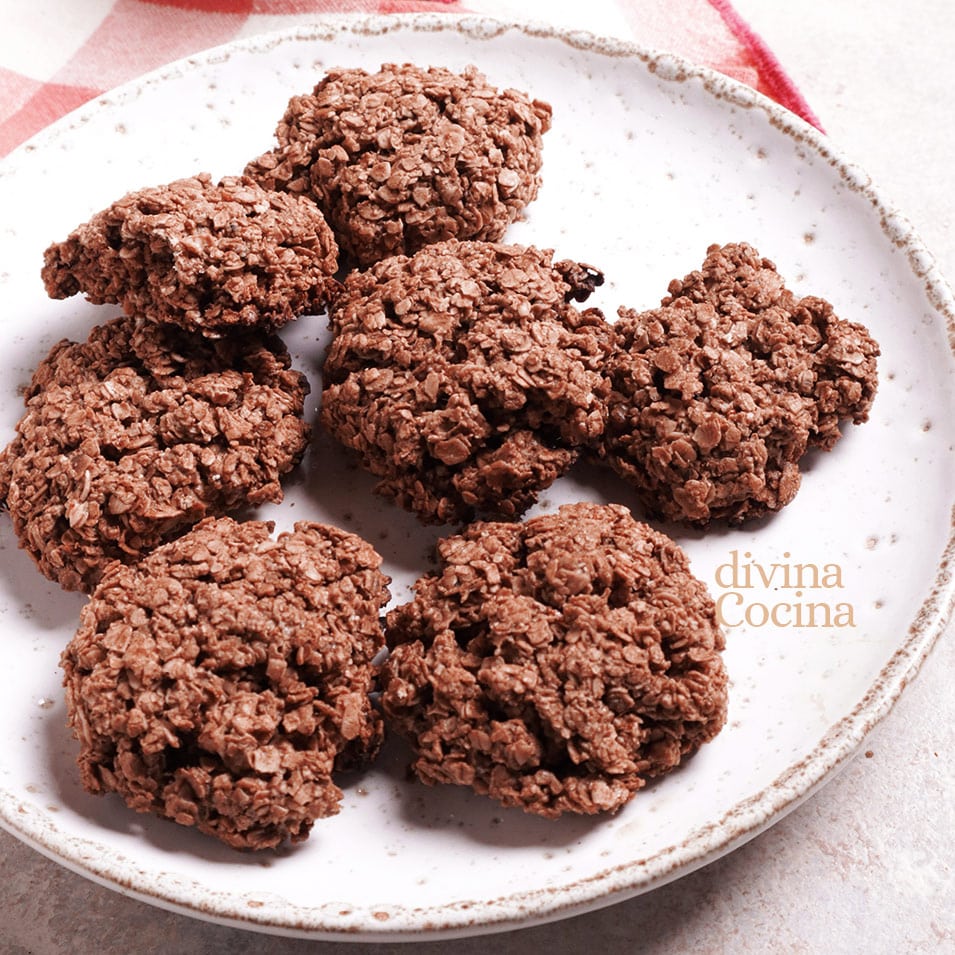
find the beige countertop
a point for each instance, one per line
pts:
(864, 865)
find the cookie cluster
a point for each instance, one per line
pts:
(467, 381)
(220, 676)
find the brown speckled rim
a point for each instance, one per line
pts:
(749, 817)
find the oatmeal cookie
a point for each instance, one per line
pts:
(221, 681)
(718, 394)
(556, 665)
(141, 431)
(211, 258)
(407, 156)
(464, 377)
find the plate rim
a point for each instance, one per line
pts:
(747, 818)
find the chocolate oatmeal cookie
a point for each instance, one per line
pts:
(211, 258)
(464, 377)
(221, 681)
(717, 394)
(141, 431)
(408, 156)
(556, 665)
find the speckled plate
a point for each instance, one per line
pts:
(831, 605)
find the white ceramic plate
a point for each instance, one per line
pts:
(649, 161)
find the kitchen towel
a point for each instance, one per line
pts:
(57, 54)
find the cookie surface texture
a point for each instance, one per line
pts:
(718, 393)
(222, 681)
(556, 665)
(138, 433)
(464, 377)
(407, 156)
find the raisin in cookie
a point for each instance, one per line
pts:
(464, 377)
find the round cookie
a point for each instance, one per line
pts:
(141, 431)
(556, 665)
(211, 258)
(464, 377)
(407, 156)
(221, 681)
(717, 394)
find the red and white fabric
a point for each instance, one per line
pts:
(57, 54)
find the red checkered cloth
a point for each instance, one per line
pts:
(57, 54)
